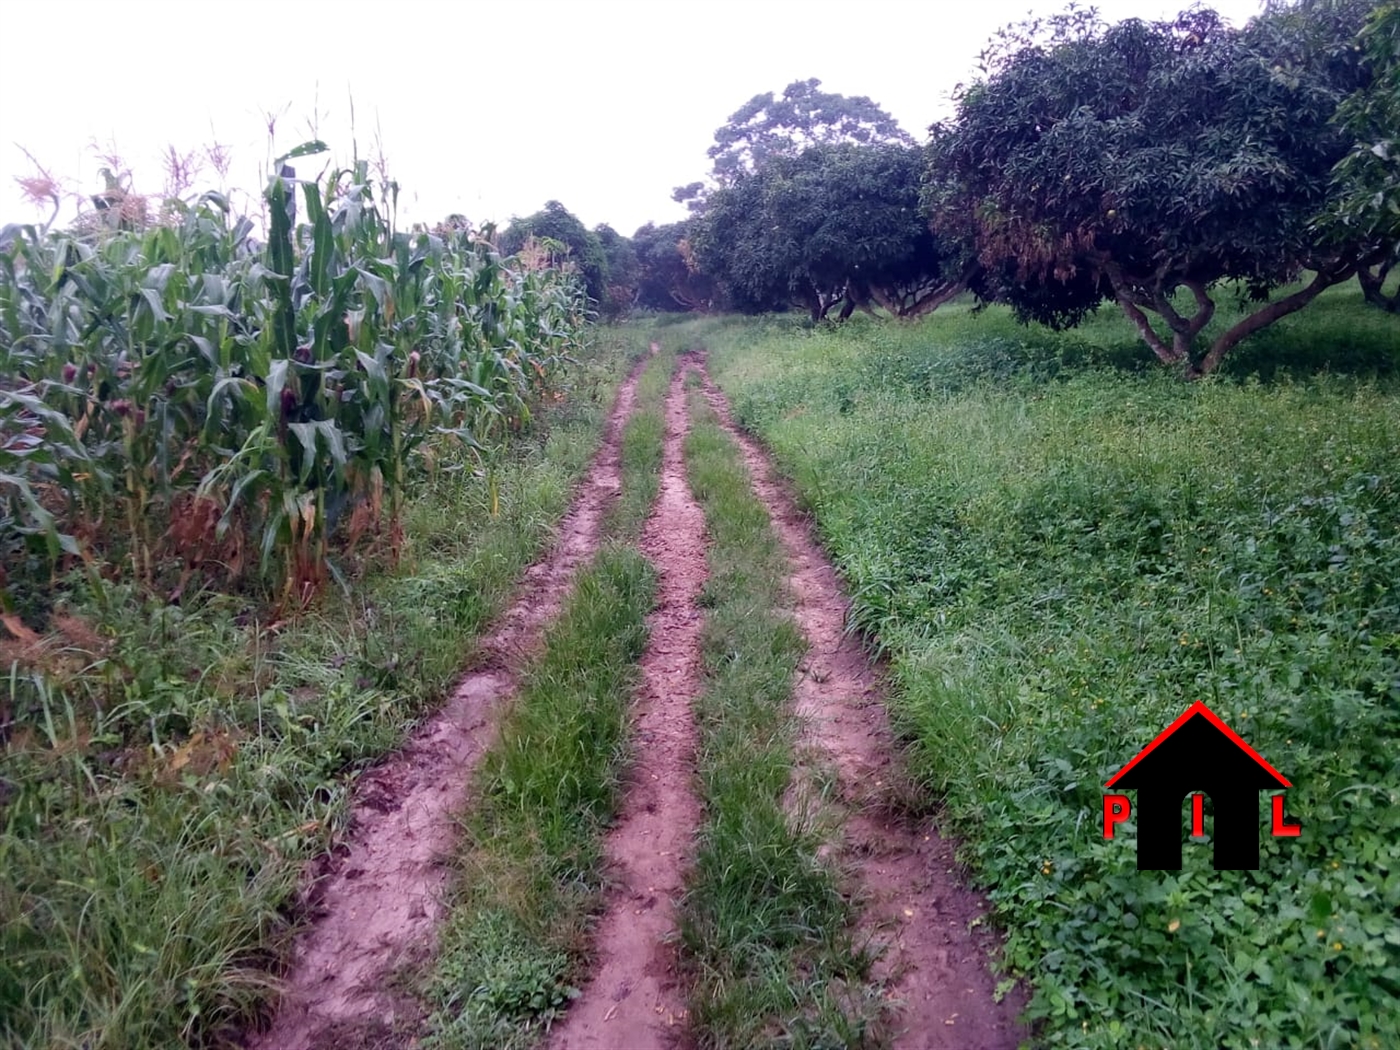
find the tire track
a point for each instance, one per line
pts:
(378, 899)
(914, 906)
(633, 998)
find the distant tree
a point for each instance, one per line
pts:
(1133, 160)
(804, 116)
(1369, 176)
(835, 224)
(623, 271)
(556, 223)
(667, 277)
(456, 223)
(873, 234)
(744, 249)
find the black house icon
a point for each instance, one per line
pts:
(1198, 752)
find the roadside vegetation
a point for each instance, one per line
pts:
(531, 863)
(766, 930)
(256, 505)
(642, 441)
(1059, 555)
(185, 761)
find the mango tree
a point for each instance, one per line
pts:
(1135, 161)
(1368, 177)
(833, 225)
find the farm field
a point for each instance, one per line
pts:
(1057, 555)
(420, 633)
(153, 844)
(346, 736)
(245, 551)
(674, 721)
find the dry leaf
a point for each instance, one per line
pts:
(15, 627)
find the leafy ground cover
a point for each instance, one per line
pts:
(1059, 554)
(766, 930)
(184, 761)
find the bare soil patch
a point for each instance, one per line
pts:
(633, 998)
(378, 899)
(916, 907)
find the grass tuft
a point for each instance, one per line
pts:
(642, 441)
(531, 862)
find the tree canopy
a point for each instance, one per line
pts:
(623, 270)
(766, 127)
(832, 224)
(668, 278)
(557, 223)
(1130, 161)
(1368, 178)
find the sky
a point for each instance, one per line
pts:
(488, 108)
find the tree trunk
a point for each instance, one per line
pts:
(1185, 329)
(1168, 355)
(1372, 280)
(935, 299)
(944, 293)
(1265, 316)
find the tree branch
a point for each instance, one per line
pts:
(931, 302)
(913, 301)
(878, 294)
(1168, 355)
(1267, 316)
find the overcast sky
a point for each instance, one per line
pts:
(484, 108)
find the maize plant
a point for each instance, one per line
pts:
(183, 403)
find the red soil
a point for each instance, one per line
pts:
(633, 998)
(916, 907)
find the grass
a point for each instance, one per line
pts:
(530, 879)
(175, 766)
(1059, 554)
(642, 441)
(765, 929)
(530, 867)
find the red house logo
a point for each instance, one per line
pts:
(1197, 753)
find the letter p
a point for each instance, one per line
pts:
(1116, 809)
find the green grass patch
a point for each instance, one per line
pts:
(1058, 560)
(531, 864)
(642, 441)
(765, 929)
(167, 770)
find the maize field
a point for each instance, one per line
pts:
(185, 405)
